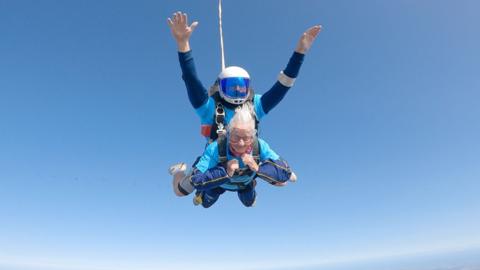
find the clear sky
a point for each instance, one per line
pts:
(382, 129)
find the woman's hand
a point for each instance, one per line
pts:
(249, 161)
(232, 165)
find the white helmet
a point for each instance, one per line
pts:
(234, 84)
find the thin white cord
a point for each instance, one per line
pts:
(221, 32)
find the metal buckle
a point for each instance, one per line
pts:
(221, 130)
(220, 112)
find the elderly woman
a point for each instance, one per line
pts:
(233, 162)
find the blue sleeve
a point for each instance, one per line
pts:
(208, 173)
(272, 169)
(197, 93)
(206, 111)
(212, 178)
(209, 158)
(294, 64)
(273, 96)
(257, 106)
(266, 152)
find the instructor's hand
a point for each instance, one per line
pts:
(307, 39)
(181, 31)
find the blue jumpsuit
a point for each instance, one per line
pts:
(211, 178)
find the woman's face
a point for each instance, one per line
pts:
(241, 139)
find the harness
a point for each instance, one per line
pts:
(219, 126)
(246, 172)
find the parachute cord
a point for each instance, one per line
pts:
(221, 32)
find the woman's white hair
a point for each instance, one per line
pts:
(244, 116)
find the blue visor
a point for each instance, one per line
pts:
(236, 87)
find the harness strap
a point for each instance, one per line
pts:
(220, 119)
(222, 149)
(256, 151)
(219, 126)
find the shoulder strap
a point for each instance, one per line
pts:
(256, 151)
(222, 149)
(218, 126)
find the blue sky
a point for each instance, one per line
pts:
(381, 128)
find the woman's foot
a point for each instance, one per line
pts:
(174, 169)
(178, 172)
(293, 177)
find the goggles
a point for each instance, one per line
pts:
(235, 87)
(246, 138)
(236, 139)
